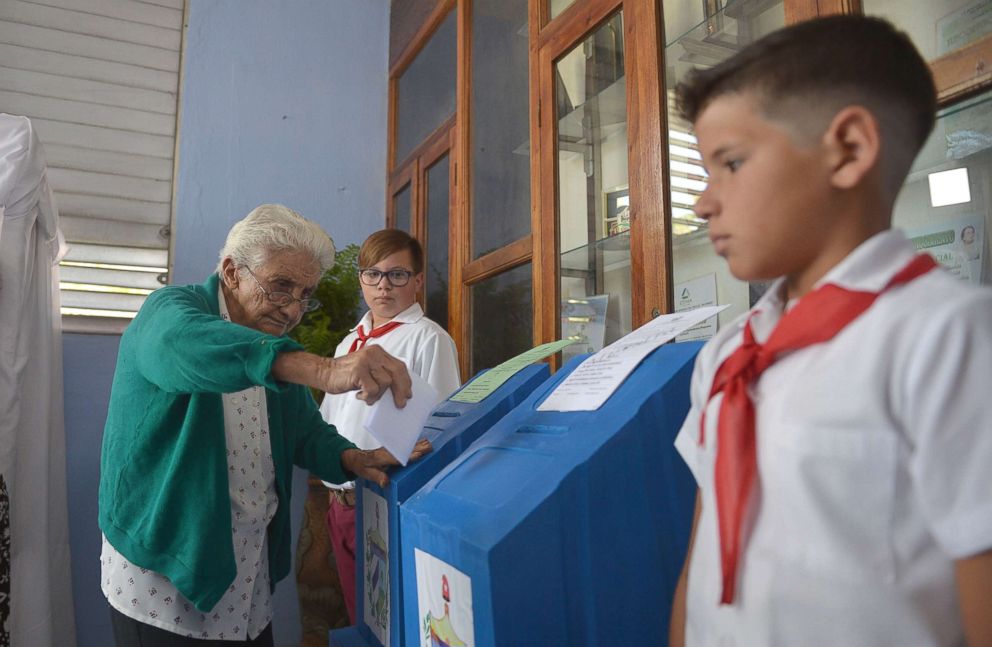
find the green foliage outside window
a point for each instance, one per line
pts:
(340, 295)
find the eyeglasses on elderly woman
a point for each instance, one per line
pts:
(283, 299)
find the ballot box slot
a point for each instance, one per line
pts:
(552, 430)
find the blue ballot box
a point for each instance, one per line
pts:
(558, 528)
(451, 428)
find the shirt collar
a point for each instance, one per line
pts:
(868, 269)
(222, 304)
(413, 314)
(872, 263)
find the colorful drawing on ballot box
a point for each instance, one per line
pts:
(444, 603)
(375, 522)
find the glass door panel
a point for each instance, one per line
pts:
(945, 207)
(425, 92)
(403, 209)
(557, 6)
(593, 201)
(701, 277)
(502, 317)
(500, 124)
(436, 270)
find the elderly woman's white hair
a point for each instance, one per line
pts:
(273, 228)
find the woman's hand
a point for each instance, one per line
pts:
(371, 371)
(371, 464)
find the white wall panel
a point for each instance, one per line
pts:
(94, 69)
(117, 209)
(88, 114)
(111, 186)
(87, 159)
(66, 87)
(77, 22)
(105, 139)
(55, 40)
(125, 234)
(84, 253)
(139, 12)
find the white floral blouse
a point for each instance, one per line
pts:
(246, 609)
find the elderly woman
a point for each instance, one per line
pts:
(208, 414)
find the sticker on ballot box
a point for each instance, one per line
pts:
(444, 603)
(375, 529)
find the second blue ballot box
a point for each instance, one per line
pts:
(558, 528)
(450, 428)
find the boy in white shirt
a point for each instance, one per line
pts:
(391, 272)
(841, 431)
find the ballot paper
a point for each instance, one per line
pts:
(595, 379)
(399, 429)
(484, 385)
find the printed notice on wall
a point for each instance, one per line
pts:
(444, 603)
(964, 26)
(956, 243)
(700, 292)
(595, 379)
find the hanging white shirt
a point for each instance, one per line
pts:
(32, 433)
(425, 348)
(245, 610)
(873, 454)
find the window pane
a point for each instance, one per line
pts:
(558, 6)
(936, 27)
(593, 200)
(425, 93)
(500, 125)
(700, 276)
(402, 209)
(945, 207)
(437, 241)
(501, 317)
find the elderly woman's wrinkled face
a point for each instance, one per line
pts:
(293, 272)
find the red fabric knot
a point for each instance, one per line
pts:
(817, 318)
(359, 342)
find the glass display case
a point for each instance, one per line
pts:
(700, 277)
(592, 189)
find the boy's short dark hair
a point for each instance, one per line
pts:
(389, 241)
(828, 63)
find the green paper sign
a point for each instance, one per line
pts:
(481, 387)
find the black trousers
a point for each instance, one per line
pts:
(129, 632)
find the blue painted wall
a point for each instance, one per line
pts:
(88, 363)
(281, 102)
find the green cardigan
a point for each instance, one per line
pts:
(164, 501)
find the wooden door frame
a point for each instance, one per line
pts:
(647, 161)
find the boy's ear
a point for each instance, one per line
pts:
(853, 144)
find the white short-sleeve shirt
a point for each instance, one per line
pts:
(426, 349)
(874, 452)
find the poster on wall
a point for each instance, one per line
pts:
(697, 293)
(964, 26)
(956, 243)
(444, 603)
(375, 570)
